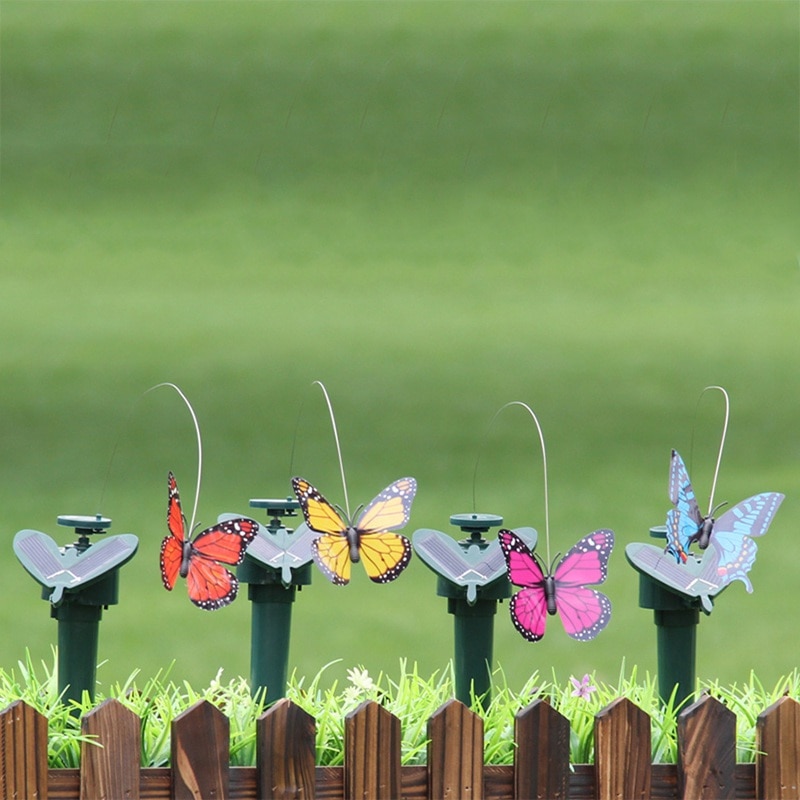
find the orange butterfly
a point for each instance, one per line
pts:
(210, 585)
(369, 540)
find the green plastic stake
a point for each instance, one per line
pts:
(277, 565)
(79, 580)
(676, 616)
(471, 574)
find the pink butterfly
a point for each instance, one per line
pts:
(584, 612)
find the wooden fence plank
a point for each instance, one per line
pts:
(111, 762)
(23, 752)
(286, 753)
(200, 750)
(707, 751)
(622, 752)
(371, 753)
(455, 753)
(541, 760)
(455, 758)
(778, 751)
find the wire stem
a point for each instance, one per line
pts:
(199, 445)
(530, 411)
(721, 441)
(336, 440)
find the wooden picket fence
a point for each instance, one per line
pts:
(286, 766)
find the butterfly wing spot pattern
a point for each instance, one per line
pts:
(731, 536)
(584, 612)
(684, 522)
(370, 539)
(210, 585)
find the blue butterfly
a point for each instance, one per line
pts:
(731, 536)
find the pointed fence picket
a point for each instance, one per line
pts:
(286, 766)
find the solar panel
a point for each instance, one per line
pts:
(472, 565)
(280, 549)
(67, 569)
(695, 578)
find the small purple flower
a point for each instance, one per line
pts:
(583, 688)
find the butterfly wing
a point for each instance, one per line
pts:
(385, 555)
(523, 568)
(586, 562)
(330, 550)
(332, 555)
(390, 509)
(210, 585)
(685, 520)
(733, 532)
(583, 611)
(172, 545)
(319, 514)
(528, 607)
(226, 541)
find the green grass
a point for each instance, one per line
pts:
(407, 694)
(435, 208)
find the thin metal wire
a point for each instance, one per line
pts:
(544, 464)
(338, 446)
(721, 441)
(199, 444)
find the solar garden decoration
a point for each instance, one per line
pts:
(702, 555)
(474, 574)
(678, 582)
(558, 585)
(277, 564)
(471, 574)
(79, 580)
(273, 560)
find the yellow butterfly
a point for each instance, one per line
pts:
(369, 540)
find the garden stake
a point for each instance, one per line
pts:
(473, 581)
(277, 564)
(79, 580)
(676, 616)
(677, 582)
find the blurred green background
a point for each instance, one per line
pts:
(435, 208)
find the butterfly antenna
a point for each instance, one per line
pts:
(721, 441)
(185, 399)
(530, 411)
(336, 439)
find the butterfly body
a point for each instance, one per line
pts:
(367, 538)
(549, 586)
(186, 558)
(560, 590)
(353, 541)
(199, 560)
(731, 535)
(703, 535)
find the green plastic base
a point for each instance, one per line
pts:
(78, 634)
(474, 645)
(270, 628)
(676, 618)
